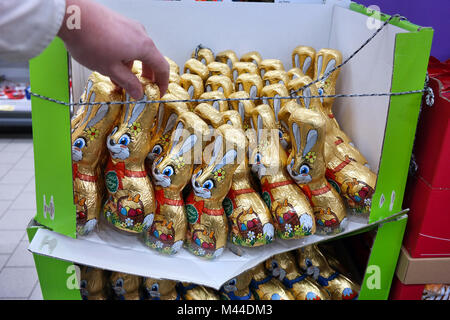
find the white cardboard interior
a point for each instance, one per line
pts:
(273, 30)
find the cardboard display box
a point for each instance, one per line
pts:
(382, 127)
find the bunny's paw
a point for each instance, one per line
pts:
(268, 231)
(148, 221)
(88, 227)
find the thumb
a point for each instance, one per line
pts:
(125, 78)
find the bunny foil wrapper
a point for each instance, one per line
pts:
(291, 211)
(252, 56)
(90, 127)
(93, 283)
(238, 288)
(266, 287)
(160, 289)
(130, 205)
(171, 172)
(192, 291)
(312, 262)
(125, 286)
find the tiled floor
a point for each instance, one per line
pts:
(18, 275)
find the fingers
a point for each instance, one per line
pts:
(154, 66)
(122, 75)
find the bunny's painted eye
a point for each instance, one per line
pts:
(232, 282)
(124, 140)
(119, 282)
(168, 171)
(304, 169)
(80, 143)
(258, 158)
(157, 149)
(320, 91)
(155, 287)
(208, 184)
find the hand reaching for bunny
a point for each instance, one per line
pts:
(108, 42)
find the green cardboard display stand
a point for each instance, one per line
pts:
(52, 142)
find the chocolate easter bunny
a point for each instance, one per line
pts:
(219, 104)
(294, 73)
(303, 57)
(192, 291)
(276, 76)
(193, 84)
(219, 69)
(160, 289)
(238, 288)
(168, 113)
(244, 107)
(250, 83)
(253, 56)
(211, 181)
(171, 172)
(284, 267)
(249, 218)
(314, 263)
(266, 287)
(354, 181)
(220, 83)
(228, 56)
(90, 127)
(269, 65)
(93, 283)
(130, 206)
(307, 167)
(125, 286)
(291, 211)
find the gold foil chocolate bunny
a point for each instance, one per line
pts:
(276, 76)
(314, 263)
(125, 286)
(208, 227)
(193, 84)
(237, 288)
(266, 287)
(303, 57)
(250, 83)
(228, 56)
(269, 65)
(253, 56)
(90, 127)
(220, 83)
(307, 167)
(294, 73)
(131, 203)
(284, 267)
(219, 104)
(291, 211)
(171, 172)
(243, 67)
(192, 291)
(93, 282)
(160, 289)
(204, 55)
(193, 66)
(244, 107)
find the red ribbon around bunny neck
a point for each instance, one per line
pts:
(119, 169)
(200, 207)
(267, 187)
(82, 176)
(162, 200)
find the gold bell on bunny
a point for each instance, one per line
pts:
(130, 206)
(284, 267)
(291, 211)
(208, 227)
(90, 127)
(313, 262)
(171, 171)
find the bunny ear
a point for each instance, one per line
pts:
(259, 129)
(319, 66)
(228, 158)
(284, 125)
(217, 148)
(306, 64)
(241, 110)
(307, 99)
(208, 88)
(276, 106)
(160, 116)
(170, 123)
(137, 110)
(177, 134)
(188, 144)
(220, 89)
(89, 87)
(101, 113)
(330, 66)
(296, 132)
(191, 91)
(235, 74)
(297, 61)
(311, 140)
(216, 105)
(253, 92)
(127, 107)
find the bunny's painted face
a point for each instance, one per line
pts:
(119, 147)
(173, 167)
(213, 179)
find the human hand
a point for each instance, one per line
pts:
(108, 43)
